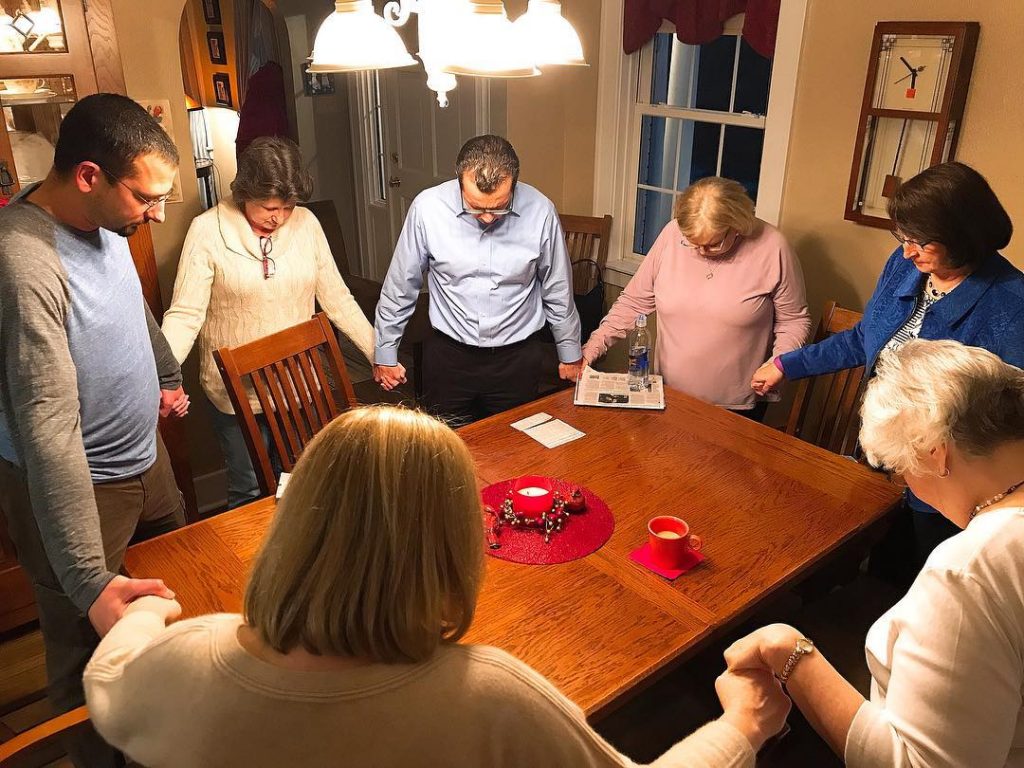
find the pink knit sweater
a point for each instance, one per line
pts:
(713, 333)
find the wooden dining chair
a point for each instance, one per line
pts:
(825, 410)
(43, 744)
(587, 239)
(286, 371)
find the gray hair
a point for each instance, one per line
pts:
(930, 392)
(491, 159)
(713, 205)
(271, 166)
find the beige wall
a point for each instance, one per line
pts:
(842, 260)
(147, 34)
(552, 118)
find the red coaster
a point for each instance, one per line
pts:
(584, 532)
(642, 555)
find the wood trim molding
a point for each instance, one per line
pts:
(106, 56)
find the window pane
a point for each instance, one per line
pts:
(31, 26)
(714, 73)
(653, 211)
(698, 154)
(693, 76)
(741, 157)
(752, 80)
(659, 137)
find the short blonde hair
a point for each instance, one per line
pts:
(930, 392)
(713, 205)
(376, 548)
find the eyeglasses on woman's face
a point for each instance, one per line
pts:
(905, 241)
(716, 247)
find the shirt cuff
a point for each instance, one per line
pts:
(778, 364)
(569, 351)
(385, 355)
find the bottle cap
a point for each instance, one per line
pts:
(641, 321)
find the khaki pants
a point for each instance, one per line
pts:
(129, 510)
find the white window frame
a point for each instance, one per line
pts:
(615, 163)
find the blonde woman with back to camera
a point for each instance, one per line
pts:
(728, 291)
(947, 661)
(348, 649)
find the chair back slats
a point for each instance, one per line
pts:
(825, 409)
(295, 390)
(587, 239)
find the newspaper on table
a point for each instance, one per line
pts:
(611, 390)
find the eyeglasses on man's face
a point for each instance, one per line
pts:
(150, 203)
(505, 210)
(905, 241)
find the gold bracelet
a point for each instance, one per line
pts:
(804, 647)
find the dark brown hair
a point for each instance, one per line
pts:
(112, 131)
(952, 204)
(271, 166)
(491, 159)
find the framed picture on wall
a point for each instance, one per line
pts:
(211, 11)
(215, 44)
(316, 83)
(222, 90)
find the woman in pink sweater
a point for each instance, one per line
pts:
(729, 294)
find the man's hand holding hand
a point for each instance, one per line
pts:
(173, 402)
(571, 371)
(389, 376)
(115, 597)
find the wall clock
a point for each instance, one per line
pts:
(914, 97)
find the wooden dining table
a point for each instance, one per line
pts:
(769, 508)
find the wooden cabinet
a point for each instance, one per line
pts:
(52, 53)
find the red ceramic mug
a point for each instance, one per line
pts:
(670, 541)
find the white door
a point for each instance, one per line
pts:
(418, 143)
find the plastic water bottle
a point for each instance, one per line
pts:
(639, 356)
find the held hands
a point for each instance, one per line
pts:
(389, 376)
(766, 378)
(168, 610)
(117, 595)
(173, 402)
(754, 704)
(765, 649)
(571, 371)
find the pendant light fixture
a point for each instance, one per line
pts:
(456, 37)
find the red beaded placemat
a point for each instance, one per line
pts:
(583, 533)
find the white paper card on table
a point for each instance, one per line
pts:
(531, 421)
(611, 390)
(281, 483)
(554, 433)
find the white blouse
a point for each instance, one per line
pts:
(221, 296)
(947, 661)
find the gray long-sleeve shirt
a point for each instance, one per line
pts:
(79, 380)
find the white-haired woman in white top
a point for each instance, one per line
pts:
(947, 661)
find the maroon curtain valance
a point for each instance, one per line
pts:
(700, 21)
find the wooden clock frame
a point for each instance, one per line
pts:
(954, 98)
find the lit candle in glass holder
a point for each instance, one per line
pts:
(532, 494)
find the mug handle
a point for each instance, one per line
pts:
(696, 542)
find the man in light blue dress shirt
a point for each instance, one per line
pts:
(497, 270)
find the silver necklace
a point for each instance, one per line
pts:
(935, 292)
(998, 497)
(711, 269)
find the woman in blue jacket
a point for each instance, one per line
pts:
(946, 280)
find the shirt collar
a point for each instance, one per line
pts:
(959, 301)
(238, 235)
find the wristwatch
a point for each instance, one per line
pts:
(804, 647)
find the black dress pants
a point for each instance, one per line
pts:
(462, 384)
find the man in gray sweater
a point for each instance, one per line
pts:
(84, 372)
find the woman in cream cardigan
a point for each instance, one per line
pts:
(947, 661)
(348, 653)
(251, 266)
